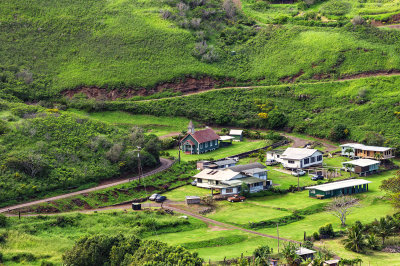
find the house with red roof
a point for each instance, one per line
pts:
(201, 141)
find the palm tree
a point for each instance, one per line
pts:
(378, 156)
(330, 171)
(289, 252)
(349, 168)
(356, 239)
(348, 151)
(384, 228)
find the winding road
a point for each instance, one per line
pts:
(165, 164)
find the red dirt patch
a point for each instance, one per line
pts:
(292, 79)
(189, 85)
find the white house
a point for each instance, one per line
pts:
(297, 158)
(275, 155)
(228, 181)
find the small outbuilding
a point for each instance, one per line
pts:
(334, 189)
(192, 200)
(331, 262)
(305, 253)
(362, 167)
(237, 134)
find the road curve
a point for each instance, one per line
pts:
(165, 164)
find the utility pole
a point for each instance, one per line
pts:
(277, 229)
(298, 182)
(140, 172)
(179, 151)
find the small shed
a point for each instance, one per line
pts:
(225, 141)
(305, 253)
(334, 189)
(192, 200)
(237, 134)
(331, 262)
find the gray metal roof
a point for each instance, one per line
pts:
(225, 162)
(255, 171)
(362, 162)
(304, 251)
(365, 147)
(243, 167)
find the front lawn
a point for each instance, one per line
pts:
(180, 193)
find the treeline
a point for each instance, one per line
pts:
(43, 150)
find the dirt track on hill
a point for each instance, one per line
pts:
(165, 164)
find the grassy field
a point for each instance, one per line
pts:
(235, 148)
(157, 125)
(179, 194)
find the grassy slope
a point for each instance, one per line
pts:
(124, 43)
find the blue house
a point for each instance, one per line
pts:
(196, 142)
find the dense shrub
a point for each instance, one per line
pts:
(3, 220)
(105, 250)
(339, 132)
(335, 7)
(326, 231)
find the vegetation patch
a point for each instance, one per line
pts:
(215, 242)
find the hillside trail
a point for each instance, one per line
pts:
(165, 164)
(301, 142)
(353, 77)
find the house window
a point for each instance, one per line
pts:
(312, 191)
(306, 161)
(199, 180)
(229, 190)
(201, 145)
(319, 158)
(277, 156)
(206, 144)
(215, 142)
(290, 161)
(312, 159)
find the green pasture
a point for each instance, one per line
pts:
(158, 125)
(179, 194)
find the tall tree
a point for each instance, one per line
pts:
(356, 239)
(392, 187)
(342, 206)
(384, 228)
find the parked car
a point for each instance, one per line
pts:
(154, 196)
(271, 162)
(236, 198)
(161, 198)
(194, 183)
(298, 173)
(317, 177)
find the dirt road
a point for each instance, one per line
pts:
(300, 143)
(165, 164)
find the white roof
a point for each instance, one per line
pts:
(298, 153)
(362, 162)
(220, 175)
(304, 251)
(235, 132)
(222, 138)
(365, 147)
(340, 184)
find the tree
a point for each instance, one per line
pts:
(384, 228)
(373, 242)
(230, 8)
(224, 131)
(244, 189)
(339, 132)
(392, 188)
(289, 252)
(348, 151)
(342, 206)
(356, 239)
(349, 168)
(262, 254)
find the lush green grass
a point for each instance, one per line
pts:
(43, 237)
(121, 44)
(241, 213)
(157, 125)
(179, 194)
(235, 148)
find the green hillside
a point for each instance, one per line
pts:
(365, 107)
(49, 46)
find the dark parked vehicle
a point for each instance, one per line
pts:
(236, 198)
(317, 177)
(161, 198)
(271, 162)
(153, 197)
